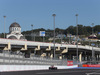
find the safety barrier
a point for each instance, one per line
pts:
(6, 68)
(13, 59)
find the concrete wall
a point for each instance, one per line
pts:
(6, 68)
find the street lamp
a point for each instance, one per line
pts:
(4, 37)
(77, 35)
(54, 33)
(93, 58)
(4, 25)
(61, 38)
(32, 38)
(32, 31)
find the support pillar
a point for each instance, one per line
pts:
(38, 47)
(25, 47)
(49, 48)
(8, 47)
(60, 57)
(80, 57)
(51, 56)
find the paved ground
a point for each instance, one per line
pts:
(57, 72)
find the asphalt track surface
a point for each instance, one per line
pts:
(56, 72)
(70, 72)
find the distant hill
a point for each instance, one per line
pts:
(82, 30)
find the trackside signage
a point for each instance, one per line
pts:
(69, 63)
(42, 33)
(85, 65)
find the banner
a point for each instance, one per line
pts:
(87, 65)
(69, 63)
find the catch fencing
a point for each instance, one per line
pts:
(7, 58)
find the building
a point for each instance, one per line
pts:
(92, 37)
(15, 32)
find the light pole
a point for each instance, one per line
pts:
(32, 38)
(93, 58)
(4, 37)
(32, 33)
(4, 25)
(77, 36)
(61, 38)
(54, 34)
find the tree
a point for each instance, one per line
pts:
(70, 30)
(97, 28)
(82, 30)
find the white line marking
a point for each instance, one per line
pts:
(93, 73)
(56, 72)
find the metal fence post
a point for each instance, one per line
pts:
(14, 57)
(3, 56)
(9, 56)
(23, 59)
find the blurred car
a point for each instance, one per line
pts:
(52, 67)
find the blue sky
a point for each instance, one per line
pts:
(39, 13)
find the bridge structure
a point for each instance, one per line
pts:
(44, 49)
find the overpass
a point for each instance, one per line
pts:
(46, 49)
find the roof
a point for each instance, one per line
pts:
(14, 25)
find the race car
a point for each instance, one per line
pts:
(52, 67)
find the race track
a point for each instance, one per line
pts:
(56, 72)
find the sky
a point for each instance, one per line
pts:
(39, 13)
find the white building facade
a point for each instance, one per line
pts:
(15, 32)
